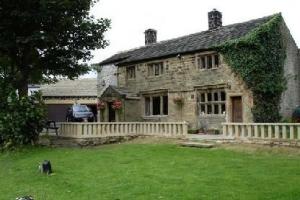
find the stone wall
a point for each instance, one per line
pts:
(131, 110)
(182, 77)
(291, 97)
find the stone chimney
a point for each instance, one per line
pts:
(214, 19)
(150, 36)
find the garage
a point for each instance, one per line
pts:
(60, 96)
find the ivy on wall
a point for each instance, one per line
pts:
(258, 58)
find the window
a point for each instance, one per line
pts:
(216, 60)
(147, 106)
(216, 96)
(155, 69)
(223, 96)
(203, 60)
(202, 97)
(211, 101)
(209, 96)
(156, 105)
(165, 105)
(130, 72)
(208, 61)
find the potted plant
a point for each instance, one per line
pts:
(178, 100)
(117, 104)
(101, 105)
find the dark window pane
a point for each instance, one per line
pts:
(209, 60)
(209, 110)
(216, 96)
(203, 63)
(202, 108)
(223, 108)
(165, 105)
(209, 97)
(202, 97)
(216, 109)
(223, 96)
(131, 72)
(161, 68)
(147, 106)
(156, 70)
(156, 105)
(216, 60)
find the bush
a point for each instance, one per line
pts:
(21, 119)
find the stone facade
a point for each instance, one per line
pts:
(178, 75)
(129, 109)
(183, 78)
(291, 96)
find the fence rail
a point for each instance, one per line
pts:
(262, 130)
(102, 129)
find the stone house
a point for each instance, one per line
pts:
(185, 79)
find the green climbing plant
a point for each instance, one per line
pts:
(258, 58)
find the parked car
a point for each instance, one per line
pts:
(79, 113)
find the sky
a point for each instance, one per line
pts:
(175, 18)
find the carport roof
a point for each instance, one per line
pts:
(71, 88)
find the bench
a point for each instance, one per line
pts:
(51, 125)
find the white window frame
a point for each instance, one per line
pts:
(128, 69)
(161, 96)
(212, 103)
(205, 57)
(152, 69)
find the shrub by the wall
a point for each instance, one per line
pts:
(21, 119)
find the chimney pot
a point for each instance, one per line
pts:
(150, 36)
(214, 19)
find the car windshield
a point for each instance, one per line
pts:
(81, 108)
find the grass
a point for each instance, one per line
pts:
(151, 171)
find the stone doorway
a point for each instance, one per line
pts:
(237, 110)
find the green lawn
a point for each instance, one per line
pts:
(150, 171)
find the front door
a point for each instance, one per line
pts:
(237, 111)
(111, 113)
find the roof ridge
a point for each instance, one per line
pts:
(119, 57)
(234, 24)
(196, 33)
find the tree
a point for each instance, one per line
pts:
(43, 39)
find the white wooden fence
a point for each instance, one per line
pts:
(102, 129)
(262, 130)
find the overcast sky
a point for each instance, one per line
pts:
(174, 18)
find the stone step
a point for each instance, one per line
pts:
(197, 144)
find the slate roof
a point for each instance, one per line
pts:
(195, 42)
(122, 91)
(71, 88)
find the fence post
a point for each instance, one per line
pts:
(224, 129)
(269, 131)
(284, 135)
(277, 132)
(292, 132)
(185, 128)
